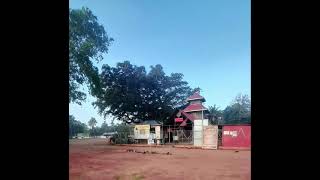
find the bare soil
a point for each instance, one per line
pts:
(95, 159)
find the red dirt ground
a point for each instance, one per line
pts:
(94, 159)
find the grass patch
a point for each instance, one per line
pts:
(132, 177)
(137, 177)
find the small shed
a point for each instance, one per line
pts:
(236, 136)
(148, 130)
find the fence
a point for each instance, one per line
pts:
(194, 137)
(173, 136)
(176, 136)
(181, 137)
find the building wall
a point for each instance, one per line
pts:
(197, 115)
(236, 136)
(141, 131)
(198, 127)
(195, 102)
(197, 133)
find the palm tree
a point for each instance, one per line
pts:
(214, 114)
(92, 123)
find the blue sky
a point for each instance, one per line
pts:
(206, 40)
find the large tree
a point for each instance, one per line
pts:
(239, 111)
(88, 40)
(129, 93)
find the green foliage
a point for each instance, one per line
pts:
(130, 93)
(92, 122)
(76, 127)
(239, 111)
(87, 40)
(123, 128)
(103, 128)
(214, 114)
(197, 89)
(123, 131)
(93, 132)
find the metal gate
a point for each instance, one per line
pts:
(181, 136)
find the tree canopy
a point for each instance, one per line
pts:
(239, 111)
(103, 128)
(214, 114)
(129, 93)
(88, 40)
(92, 122)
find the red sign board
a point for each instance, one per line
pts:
(178, 119)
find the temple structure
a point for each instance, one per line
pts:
(195, 110)
(182, 129)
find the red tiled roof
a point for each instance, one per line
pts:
(194, 107)
(195, 96)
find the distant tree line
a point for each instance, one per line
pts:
(91, 129)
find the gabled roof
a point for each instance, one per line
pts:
(151, 122)
(188, 117)
(195, 107)
(196, 96)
